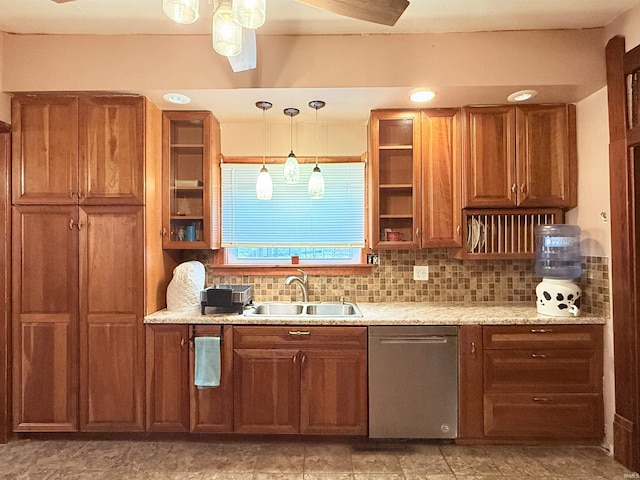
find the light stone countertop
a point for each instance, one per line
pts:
(391, 313)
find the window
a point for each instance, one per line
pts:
(325, 231)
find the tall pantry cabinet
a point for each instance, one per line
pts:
(87, 259)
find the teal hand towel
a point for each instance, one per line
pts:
(207, 369)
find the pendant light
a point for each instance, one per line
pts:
(250, 13)
(181, 11)
(227, 34)
(291, 166)
(316, 180)
(264, 185)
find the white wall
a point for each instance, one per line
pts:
(593, 201)
(5, 103)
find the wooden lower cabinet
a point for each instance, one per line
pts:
(309, 380)
(538, 382)
(174, 403)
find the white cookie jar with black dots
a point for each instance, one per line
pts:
(558, 298)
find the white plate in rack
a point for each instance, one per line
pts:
(474, 228)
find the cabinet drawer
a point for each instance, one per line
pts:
(540, 370)
(300, 336)
(543, 416)
(542, 336)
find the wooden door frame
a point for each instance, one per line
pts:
(625, 253)
(5, 282)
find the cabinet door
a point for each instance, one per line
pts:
(191, 180)
(441, 162)
(394, 179)
(45, 318)
(45, 149)
(167, 352)
(334, 392)
(111, 328)
(212, 408)
(266, 390)
(470, 423)
(546, 155)
(111, 150)
(489, 157)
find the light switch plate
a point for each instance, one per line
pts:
(420, 272)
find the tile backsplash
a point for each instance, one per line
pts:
(450, 280)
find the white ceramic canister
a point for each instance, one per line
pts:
(558, 298)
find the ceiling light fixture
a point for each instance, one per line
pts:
(178, 98)
(250, 13)
(316, 180)
(264, 184)
(227, 33)
(181, 11)
(522, 95)
(291, 166)
(421, 95)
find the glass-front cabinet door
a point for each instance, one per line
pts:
(191, 173)
(394, 179)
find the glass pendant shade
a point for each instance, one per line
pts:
(316, 184)
(250, 13)
(227, 34)
(181, 11)
(291, 169)
(264, 185)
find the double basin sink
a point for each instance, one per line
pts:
(304, 309)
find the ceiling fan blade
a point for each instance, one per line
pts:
(246, 59)
(385, 12)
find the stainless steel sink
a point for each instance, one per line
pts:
(304, 309)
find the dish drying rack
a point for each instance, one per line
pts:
(503, 233)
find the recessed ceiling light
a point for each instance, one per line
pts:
(178, 98)
(421, 95)
(522, 95)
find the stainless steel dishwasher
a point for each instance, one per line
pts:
(413, 382)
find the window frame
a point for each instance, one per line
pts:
(221, 267)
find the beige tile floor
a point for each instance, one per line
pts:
(36, 459)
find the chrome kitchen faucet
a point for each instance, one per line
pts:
(302, 281)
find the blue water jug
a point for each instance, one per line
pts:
(558, 251)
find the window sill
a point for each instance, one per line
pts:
(285, 269)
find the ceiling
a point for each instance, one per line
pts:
(292, 18)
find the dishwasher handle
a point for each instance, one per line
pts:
(421, 339)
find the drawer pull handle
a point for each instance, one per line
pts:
(540, 399)
(541, 330)
(538, 355)
(298, 332)
(473, 349)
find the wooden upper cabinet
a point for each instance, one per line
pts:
(546, 156)
(111, 146)
(44, 149)
(191, 180)
(394, 179)
(441, 169)
(520, 156)
(78, 149)
(489, 156)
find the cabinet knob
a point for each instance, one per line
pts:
(538, 355)
(71, 224)
(458, 229)
(514, 188)
(79, 193)
(303, 359)
(540, 399)
(183, 343)
(523, 188)
(295, 358)
(71, 193)
(163, 232)
(298, 332)
(79, 225)
(473, 349)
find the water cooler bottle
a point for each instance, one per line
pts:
(558, 262)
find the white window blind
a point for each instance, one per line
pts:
(291, 218)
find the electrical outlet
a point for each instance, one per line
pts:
(420, 272)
